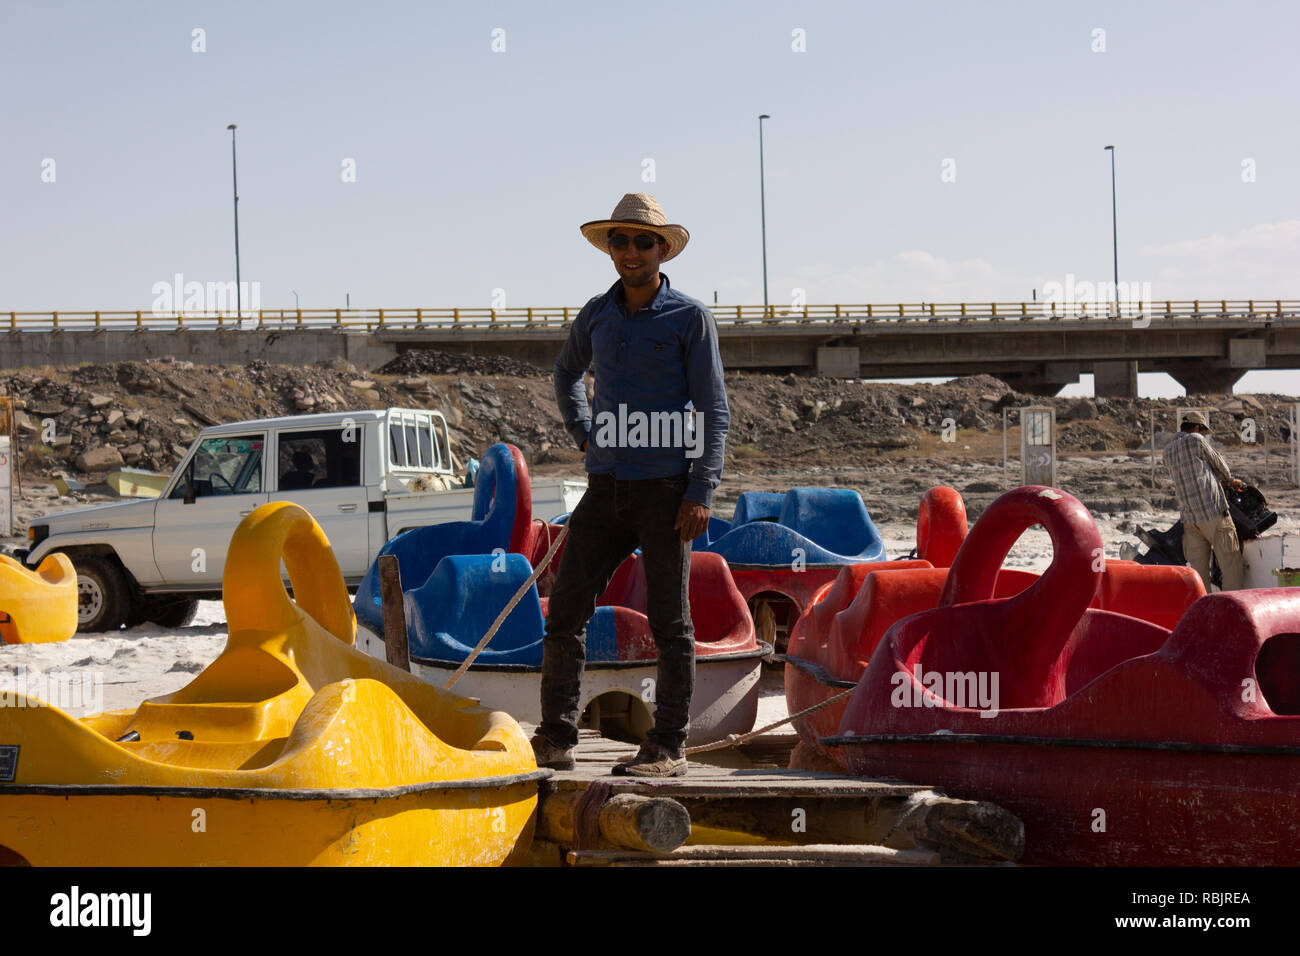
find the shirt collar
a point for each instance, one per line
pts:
(657, 303)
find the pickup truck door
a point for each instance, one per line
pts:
(222, 482)
(321, 470)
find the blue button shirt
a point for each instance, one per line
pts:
(660, 408)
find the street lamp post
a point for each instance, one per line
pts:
(1114, 228)
(762, 202)
(295, 299)
(234, 174)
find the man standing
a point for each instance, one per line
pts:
(652, 466)
(1199, 474)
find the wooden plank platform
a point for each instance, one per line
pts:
(812, 855)
(595, 757)
(744, 811)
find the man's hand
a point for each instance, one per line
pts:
(1236, 485)
(692, 519)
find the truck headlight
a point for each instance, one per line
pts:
(38, 533)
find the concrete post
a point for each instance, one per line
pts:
(1115, 379)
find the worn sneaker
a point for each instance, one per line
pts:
(653, 760)
(549, 755)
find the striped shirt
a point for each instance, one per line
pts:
(1199, 474)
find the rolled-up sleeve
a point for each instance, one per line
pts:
(570, 367)
(709, 398)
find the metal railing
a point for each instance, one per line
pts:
(478, 319)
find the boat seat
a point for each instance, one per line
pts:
(940, 526)
(502, 518)
(833, 518)
(757, 506)
(820, 616)
(718, 612)
(1102, 641)
(453, 609)
(813, 525)
(1160, 594)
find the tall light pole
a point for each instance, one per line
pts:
(295, 297)
(1114, 228)
(234, 173)
(762, 204)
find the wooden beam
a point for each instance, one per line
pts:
(973, 828)
(390, 594)
(628, 821)
(813, 855)
(924, 820)
(719, 782)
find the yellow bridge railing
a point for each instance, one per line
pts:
(535, 318)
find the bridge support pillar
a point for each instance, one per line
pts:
(1115, 379)
(366, 351)
(839, 361)
(1045, 379)
(1206, 379)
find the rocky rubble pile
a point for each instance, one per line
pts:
(435, 362)
(89, 419)
(798, 416)
(828, 413)
(84, 421)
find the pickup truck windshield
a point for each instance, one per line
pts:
(224, 466)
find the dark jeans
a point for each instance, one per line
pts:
(613, 519)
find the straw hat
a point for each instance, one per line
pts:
(640, 210)
(1196, 418)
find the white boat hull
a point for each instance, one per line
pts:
(725, 701)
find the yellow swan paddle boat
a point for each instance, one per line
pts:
(37, 607)
(291, 748)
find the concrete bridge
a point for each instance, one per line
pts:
(1036, 347)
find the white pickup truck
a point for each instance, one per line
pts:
(153, 559)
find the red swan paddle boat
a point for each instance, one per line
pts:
(832, 642)
(1115, 740)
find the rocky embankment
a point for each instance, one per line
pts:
(86, 420)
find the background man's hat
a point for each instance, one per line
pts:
(640, 211)
(1196, 418)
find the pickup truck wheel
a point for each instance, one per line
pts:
(103, 602)
(172, 612)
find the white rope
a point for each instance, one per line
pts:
(733, 740)
(505, 612)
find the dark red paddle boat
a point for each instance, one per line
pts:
(1115, 740)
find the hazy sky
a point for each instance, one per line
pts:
(916, 151)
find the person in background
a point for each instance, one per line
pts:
(1200, 474)
(303, 474)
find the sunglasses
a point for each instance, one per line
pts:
(642, 242)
